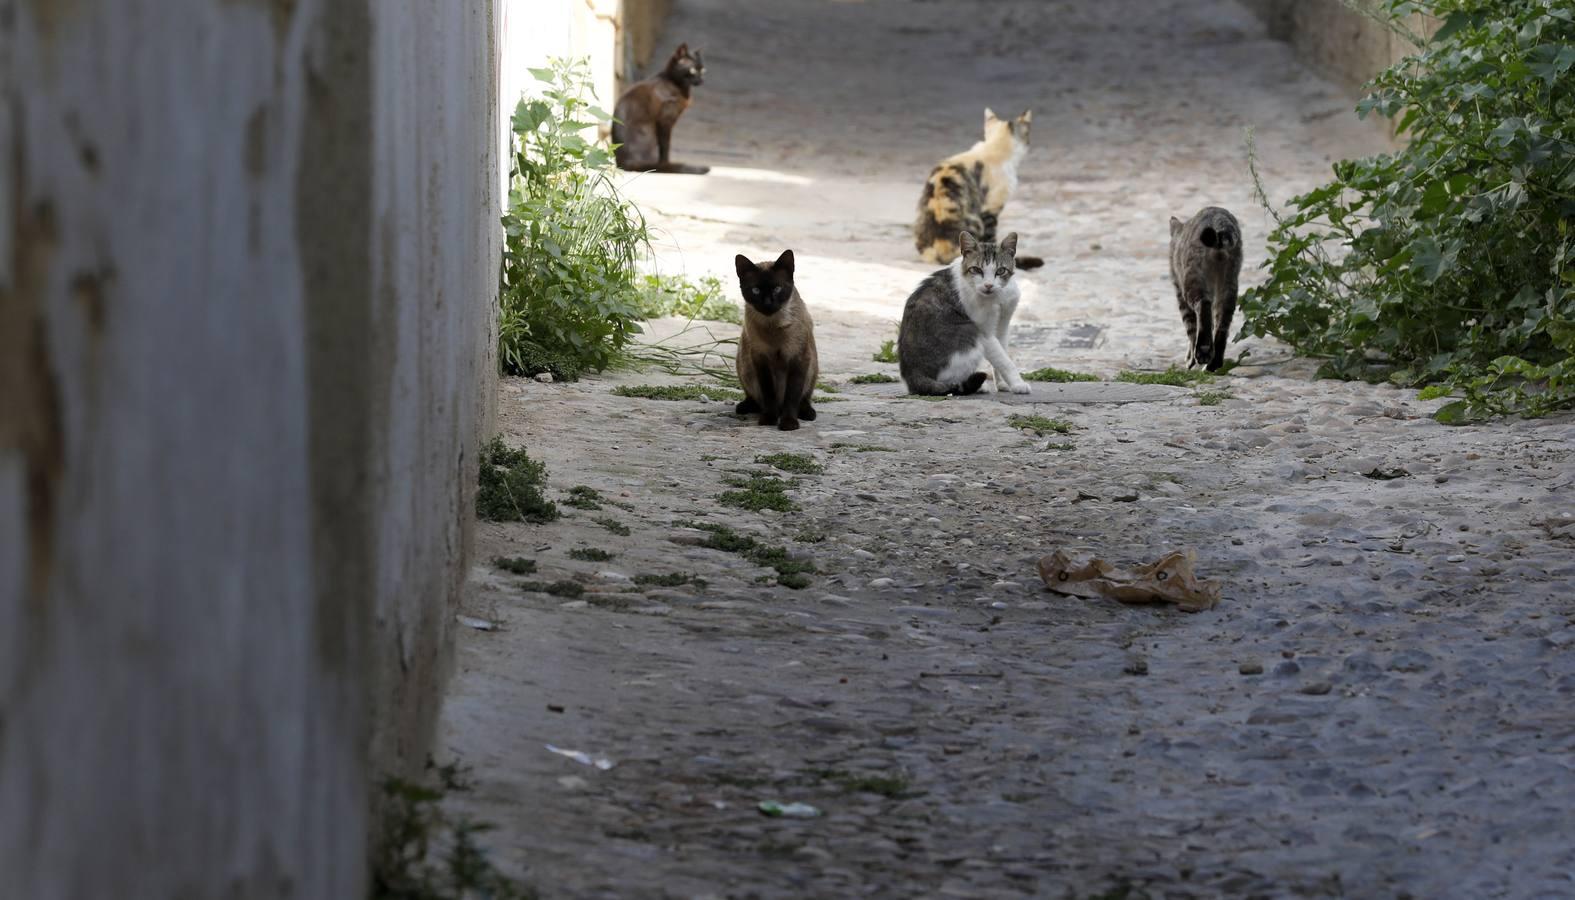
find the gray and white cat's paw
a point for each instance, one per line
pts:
(1022, 387)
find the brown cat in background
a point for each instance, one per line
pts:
(777, 363)
(645, 115)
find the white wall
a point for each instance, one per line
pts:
(247, 255)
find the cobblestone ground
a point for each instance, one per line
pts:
(1379, 707)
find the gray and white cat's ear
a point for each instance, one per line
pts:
(1175, 226)
(784, 263)
(1009, 244)
(967, 242)
(743, 265)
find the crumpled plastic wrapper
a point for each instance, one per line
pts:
(1169, 579)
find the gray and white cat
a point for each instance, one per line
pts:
(1205, 265)
(959, 317)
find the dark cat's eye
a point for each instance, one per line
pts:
(754, 292)
(776, 291)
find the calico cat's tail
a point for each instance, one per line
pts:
(1029, 262)
(920, 384)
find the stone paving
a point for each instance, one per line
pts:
(1380, 706)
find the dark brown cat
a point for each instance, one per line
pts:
(644, 119)
(777, 363)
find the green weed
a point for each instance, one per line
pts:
(510, 488)
(798, 463)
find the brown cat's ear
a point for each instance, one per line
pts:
(784, 263)
(682, 51)
(1009, 244)
(967, 242)
(744, 266)
(1175, 226)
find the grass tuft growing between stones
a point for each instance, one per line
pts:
(678, 392)
(613, 525)
(861, 448)
(519, 565)
(582, 497)
(510, 486)
(758, 492)
(1172, 376)
(1212, 398)
(671, 579)
(1058, 376)
(873, 378)
(797, 463)
(791, 573)
(887, 352)
(590, 554)
(569, 589)
(1040, 425)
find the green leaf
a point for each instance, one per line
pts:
(1454, 413)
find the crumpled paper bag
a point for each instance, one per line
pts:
(1167, 580)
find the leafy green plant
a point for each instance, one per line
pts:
(1060, 376)
(1449, 261)
(511, 486)
(677, 295)
(1212, 398)
(426, 853)
(873, 378)
(568, 290)
(887, 352)
(590, 554)
(613, 525)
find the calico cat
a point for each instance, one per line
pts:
(1205, 263)
(959, 317)
(967, 192)
(644, 118)
(777, 363)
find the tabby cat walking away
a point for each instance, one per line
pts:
(967, 192)
(646, 113)
(1205, 265)
(959, 317)
(777, 363)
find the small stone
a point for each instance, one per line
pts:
(881, 583)
(1287, 668)
(864, 554)
(1137, 666)
(1250, 668)
(573, 782)
(1317, 688)
(543, 377)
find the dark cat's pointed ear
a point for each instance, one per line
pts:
(967, 242)
(682, 51)
(784, 263)
(743, 265)
(1175, 226)
(1009, 244)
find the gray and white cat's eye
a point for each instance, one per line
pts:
(1002, 272)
